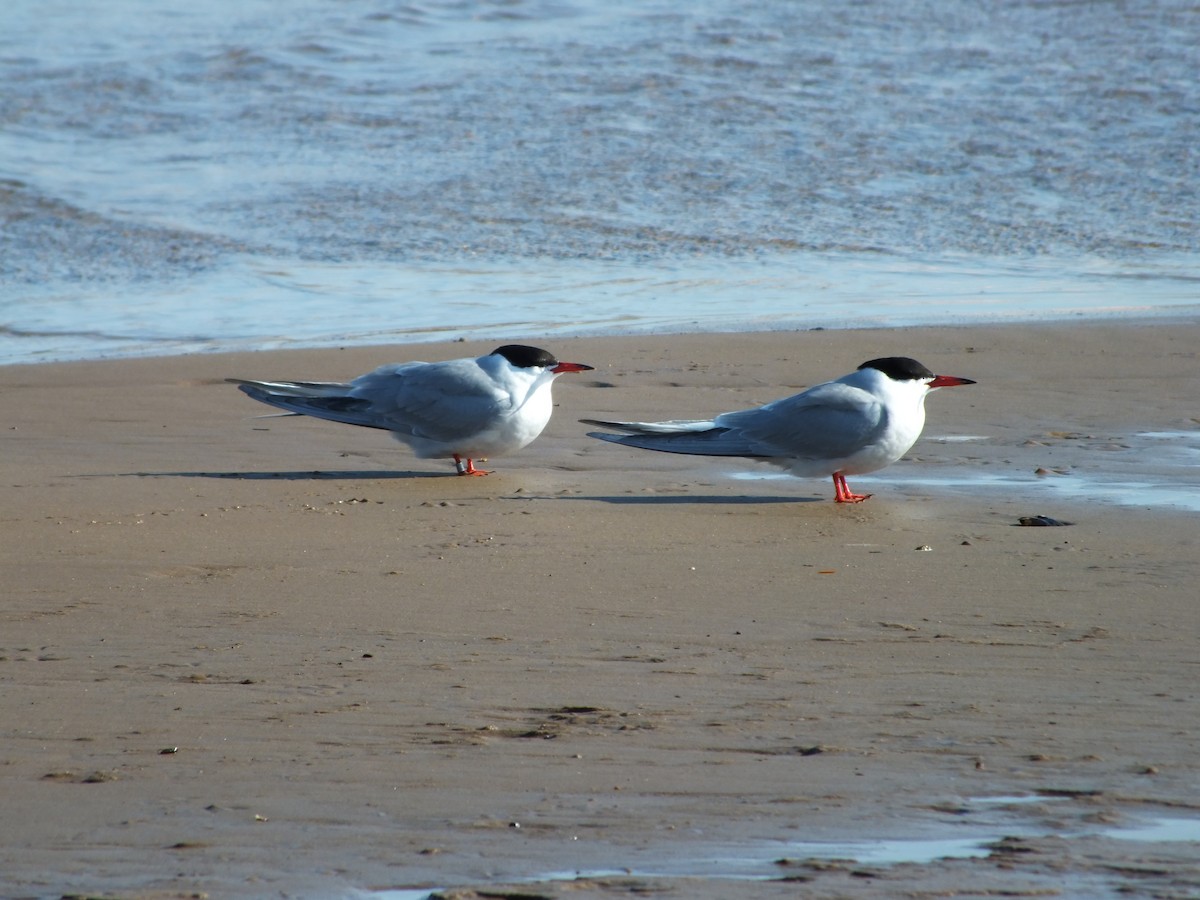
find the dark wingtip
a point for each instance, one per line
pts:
(605, 436)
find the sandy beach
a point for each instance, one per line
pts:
(248, 657)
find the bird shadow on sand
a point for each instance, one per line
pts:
(313, 475)
(691, 499)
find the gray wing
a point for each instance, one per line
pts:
(829, 421)
(437, 401)
(696, 437)
(714, 442)
(674, 426)
(320, 399)
(444, 401)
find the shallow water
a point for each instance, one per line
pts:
(182, 177)
(1151, 492)
(1153, 469)
(773, 860)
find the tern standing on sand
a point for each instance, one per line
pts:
(858, 423)
(462, 409)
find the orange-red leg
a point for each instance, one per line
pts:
(468, 467)
(842, 492)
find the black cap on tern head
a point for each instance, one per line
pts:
(898, 368)
(524, 357)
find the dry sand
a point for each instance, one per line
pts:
(265, 657)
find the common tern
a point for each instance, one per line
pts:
(462, 409)
(858, 423)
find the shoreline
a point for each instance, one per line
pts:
(490, 334)
(249, 656)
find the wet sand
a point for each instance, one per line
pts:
(251, 657)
